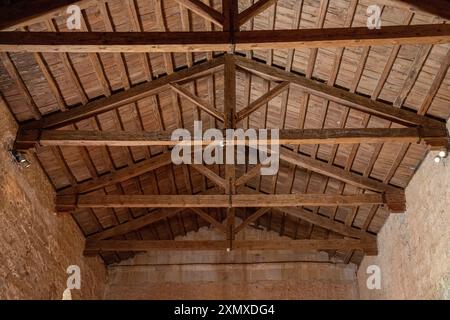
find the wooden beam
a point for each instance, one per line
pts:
(210, 219)
(122, 98)
(342, 37)
(103, 42)
(132, 42)
(254, 10)
(134, 224)
(198, 102)
(203, 11)
(368, 246)
(69, 202)
(211, 175)
(264, 99)
(340, 96)
(120, 175)
(440, 8)
(22, 12)
(434, 136)
(333, 171)
(230, 118)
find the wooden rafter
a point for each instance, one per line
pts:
(222, 40)
(254, 10)
(264, 99)
(341, 96)
(198, 101)
(395, 201)
(121, 175)
(211, 175)
(333, 171)
(203, 10)
(440, 8)
(122, 98)
(368, 246)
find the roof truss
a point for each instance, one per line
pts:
(80, 195)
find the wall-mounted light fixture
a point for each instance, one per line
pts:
(19, 158)
(441, 156)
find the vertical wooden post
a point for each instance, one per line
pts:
(230, 13)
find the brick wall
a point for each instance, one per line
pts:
(36, 244)
(414, 247)
(234, 275)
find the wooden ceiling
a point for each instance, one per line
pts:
(357, 110)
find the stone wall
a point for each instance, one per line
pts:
(36, 244)
(231, 275)
(414, 247)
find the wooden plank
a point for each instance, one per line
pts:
(120, 175)
(15, 76)
(69, 202)
(211, 175)
(230, 123)
(103, 42)
(368, 246)
(254, 10)
(340, 96)
(264, 99)
(122, 98)
(203, 11)
(198, 102)
(435, 136)
(342, 37)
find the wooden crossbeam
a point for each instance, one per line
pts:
(341, 96)
(368, 246)
(342, 37)
(122, 98)
(395, 201)
(140, 222)
(205, 106)
(435, 136)
(222, 40)
(254, 10)
(319, 220)
(120, 175)
(203, 10)
(264, 99)
(103, 42)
